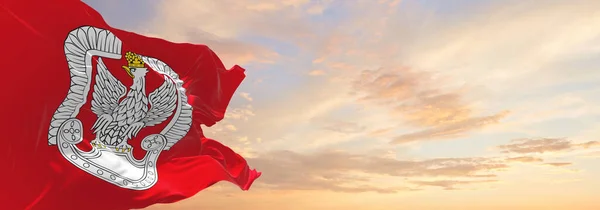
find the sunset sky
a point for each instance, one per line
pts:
(398, 105)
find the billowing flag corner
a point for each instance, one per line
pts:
(101, 118)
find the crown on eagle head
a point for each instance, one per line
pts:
(134, 60)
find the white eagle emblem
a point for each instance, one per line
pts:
(121, 112)
(119, 121)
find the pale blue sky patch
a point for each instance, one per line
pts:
(281, 47)
(450, 8)
(560, 127)
(124, 14)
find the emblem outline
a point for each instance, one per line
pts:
(66, 130)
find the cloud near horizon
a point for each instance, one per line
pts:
(346, 172)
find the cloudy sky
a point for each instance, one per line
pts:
(393, 105)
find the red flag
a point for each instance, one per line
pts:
(95, 117)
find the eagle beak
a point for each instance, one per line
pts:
(128, 71)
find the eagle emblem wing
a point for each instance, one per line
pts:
(105, 98)
(182, 118)
(162, 101)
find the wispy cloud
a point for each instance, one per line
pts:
(245, 96)
(344, 127)
(450, 184)
(451, 130)
(525, 159)
(559, 164)
(337, 171)
(526, 146)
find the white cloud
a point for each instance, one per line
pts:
(245, 96)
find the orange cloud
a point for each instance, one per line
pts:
(525, 146)
(380, 132)
(417, 99)
(559, 164)
(589, 144)
(316, 73)
(341, 171)
(450, 184)
(345, 127)
(525, 159)
(450, 130)
(243, 113)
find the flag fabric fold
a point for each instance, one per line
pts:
(95, 117)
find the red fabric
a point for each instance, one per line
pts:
(34, 175)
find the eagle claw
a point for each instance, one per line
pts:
(97, 144)
(123, 147)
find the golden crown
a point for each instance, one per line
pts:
(134, 60)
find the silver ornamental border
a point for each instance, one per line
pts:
(66, 131)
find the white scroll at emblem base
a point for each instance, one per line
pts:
(66, 130)
(118, 168)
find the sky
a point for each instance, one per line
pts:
(398, 105)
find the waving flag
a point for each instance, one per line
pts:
(95, 117)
